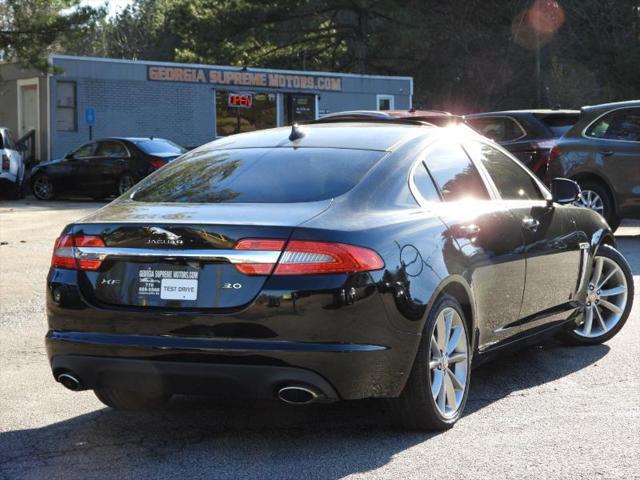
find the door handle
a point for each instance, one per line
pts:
(606, 153)
(530, 224)
(468, 230)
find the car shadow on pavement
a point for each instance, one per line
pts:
(197, 437)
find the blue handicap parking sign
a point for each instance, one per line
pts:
(90, 116)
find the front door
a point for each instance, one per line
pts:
(28, 110)
(551, 244)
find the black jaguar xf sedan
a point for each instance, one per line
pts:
(102, 168)
(338, 260)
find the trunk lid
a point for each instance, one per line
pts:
(183, 256)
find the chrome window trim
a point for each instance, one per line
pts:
(584, 130)
(229, 256)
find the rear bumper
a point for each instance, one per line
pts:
(254, 381)
(245, 368)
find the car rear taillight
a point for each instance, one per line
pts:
(157, 162)
(65, 252)
(6, 164)
(309, 258)
(554, 153)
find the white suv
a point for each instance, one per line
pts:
(12, 168)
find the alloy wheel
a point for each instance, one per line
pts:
(448, 362)
(591, 199)
(125, 183)
(606, 299)
(43, 188)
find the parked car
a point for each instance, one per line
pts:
(339, 260)
(528, 134)
(12, 170)
(102, 168)
(602, 153)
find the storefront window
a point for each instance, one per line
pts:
(237, 119)
(299, 107)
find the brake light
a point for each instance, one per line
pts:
(65, 253)
(6, 165)
(310, 258)
(157, 162)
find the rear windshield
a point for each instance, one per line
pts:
(259, 175)
(159, 146)
(560, 124)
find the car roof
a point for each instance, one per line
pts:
(538, 111)
(366, 135)
(130, 139)
(603, 107)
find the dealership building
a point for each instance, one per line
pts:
(88, 98)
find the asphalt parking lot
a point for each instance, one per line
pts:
(546, 412)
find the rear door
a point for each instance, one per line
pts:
(75, 172)
(552, 246)
(488, 236)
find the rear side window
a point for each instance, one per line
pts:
(259, 175)
(621, 124)
(511, 180)
(455, 174)
(500, 129)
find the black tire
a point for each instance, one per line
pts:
(573, 338)
(41, 193)
(125, 182)
(121, 399)
(609, 211)
(416, 408)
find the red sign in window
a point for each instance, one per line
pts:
(240, 100)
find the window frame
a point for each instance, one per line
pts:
(385, 96)
(74, 108)
(546, 194)
(584, 130)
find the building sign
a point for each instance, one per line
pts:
(290, 81)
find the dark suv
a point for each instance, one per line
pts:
(602, 153)
(528, 134)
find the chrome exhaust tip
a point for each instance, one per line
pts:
(297, 395)
(69, 381)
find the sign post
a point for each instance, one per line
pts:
(90, 119)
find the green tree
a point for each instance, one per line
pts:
(140, 32)
(31, 29)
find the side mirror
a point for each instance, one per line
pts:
(68, 156)
(564, 191)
